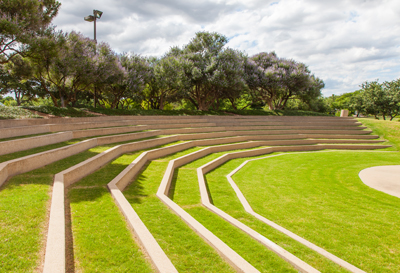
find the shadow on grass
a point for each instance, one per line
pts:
(136, 188)
(208, 191)
(171, 192)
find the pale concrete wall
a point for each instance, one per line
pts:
(31, 162)
(12, 146)
(79, 171)
(249, 210)
(22, 131)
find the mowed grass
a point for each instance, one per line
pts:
(187, 251)
(186, 194)
(320, 197)
(389, 130)
(24, 201)
(101, 240)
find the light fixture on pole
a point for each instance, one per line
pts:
(93, 18)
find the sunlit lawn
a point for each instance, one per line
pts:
(320, 197)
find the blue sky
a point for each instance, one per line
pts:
(344, 42)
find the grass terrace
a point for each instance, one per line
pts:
(12, 112)
(338, 212)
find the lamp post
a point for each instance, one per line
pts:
(93, 18)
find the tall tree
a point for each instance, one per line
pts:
(200, 63)
(16, 77)
(274, 80)
(21, 21)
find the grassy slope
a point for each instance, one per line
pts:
(11, 112)
(61, 111)
(96, 221)
(187, 195)
(323, 200)
(82, 112)
(23, 209)
(389, 130)
(22, 232)
(187, 251)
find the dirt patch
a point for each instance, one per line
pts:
(94, 113)
(46, 116)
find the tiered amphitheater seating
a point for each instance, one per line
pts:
(280, 134)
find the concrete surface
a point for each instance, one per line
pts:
(383, 178)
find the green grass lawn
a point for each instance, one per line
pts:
(14, 112)
(186, 193)
(60, 111)
(24, 201)
(187, 251)
(389, 130)
(102, 241)
(323, 200)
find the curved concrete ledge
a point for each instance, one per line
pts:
(56, 234)
(23, 144)
(39, 129)
(299, 239)
(166, 182)
(31, 162)
(28, 163)
(55, 246)
(17, 145)
(12, 131)
(31, 122)
(382, 178)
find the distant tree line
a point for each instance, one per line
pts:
(70, 69)
(374, 98)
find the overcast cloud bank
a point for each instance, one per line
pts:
(343, 42)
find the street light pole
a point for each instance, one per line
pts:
(93, 18)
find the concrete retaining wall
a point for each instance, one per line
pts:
(31, 122)
(248, 209)
(12, 146)
(31, 162)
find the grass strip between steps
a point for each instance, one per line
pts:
(320, 197)
(186, 194)
(24, 205)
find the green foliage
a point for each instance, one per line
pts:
(12, 112)
(187, 112)
(21, 23)
(382, 98)
(60, 111)
(320, 197)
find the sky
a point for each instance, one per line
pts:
(343, 42)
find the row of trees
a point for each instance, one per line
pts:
(71, 69)
(374, 98)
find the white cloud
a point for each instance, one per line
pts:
(343, 42)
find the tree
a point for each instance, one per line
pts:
(228, 80)
(21, 21)
(15, 77)
(260, 77)
(69, 66)
(139, 73)
(200, 63)
(166, 82)
(392, 90)
(357, 103)
(109, 75)
(294, 80)
(375, 99)
(274, 80)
